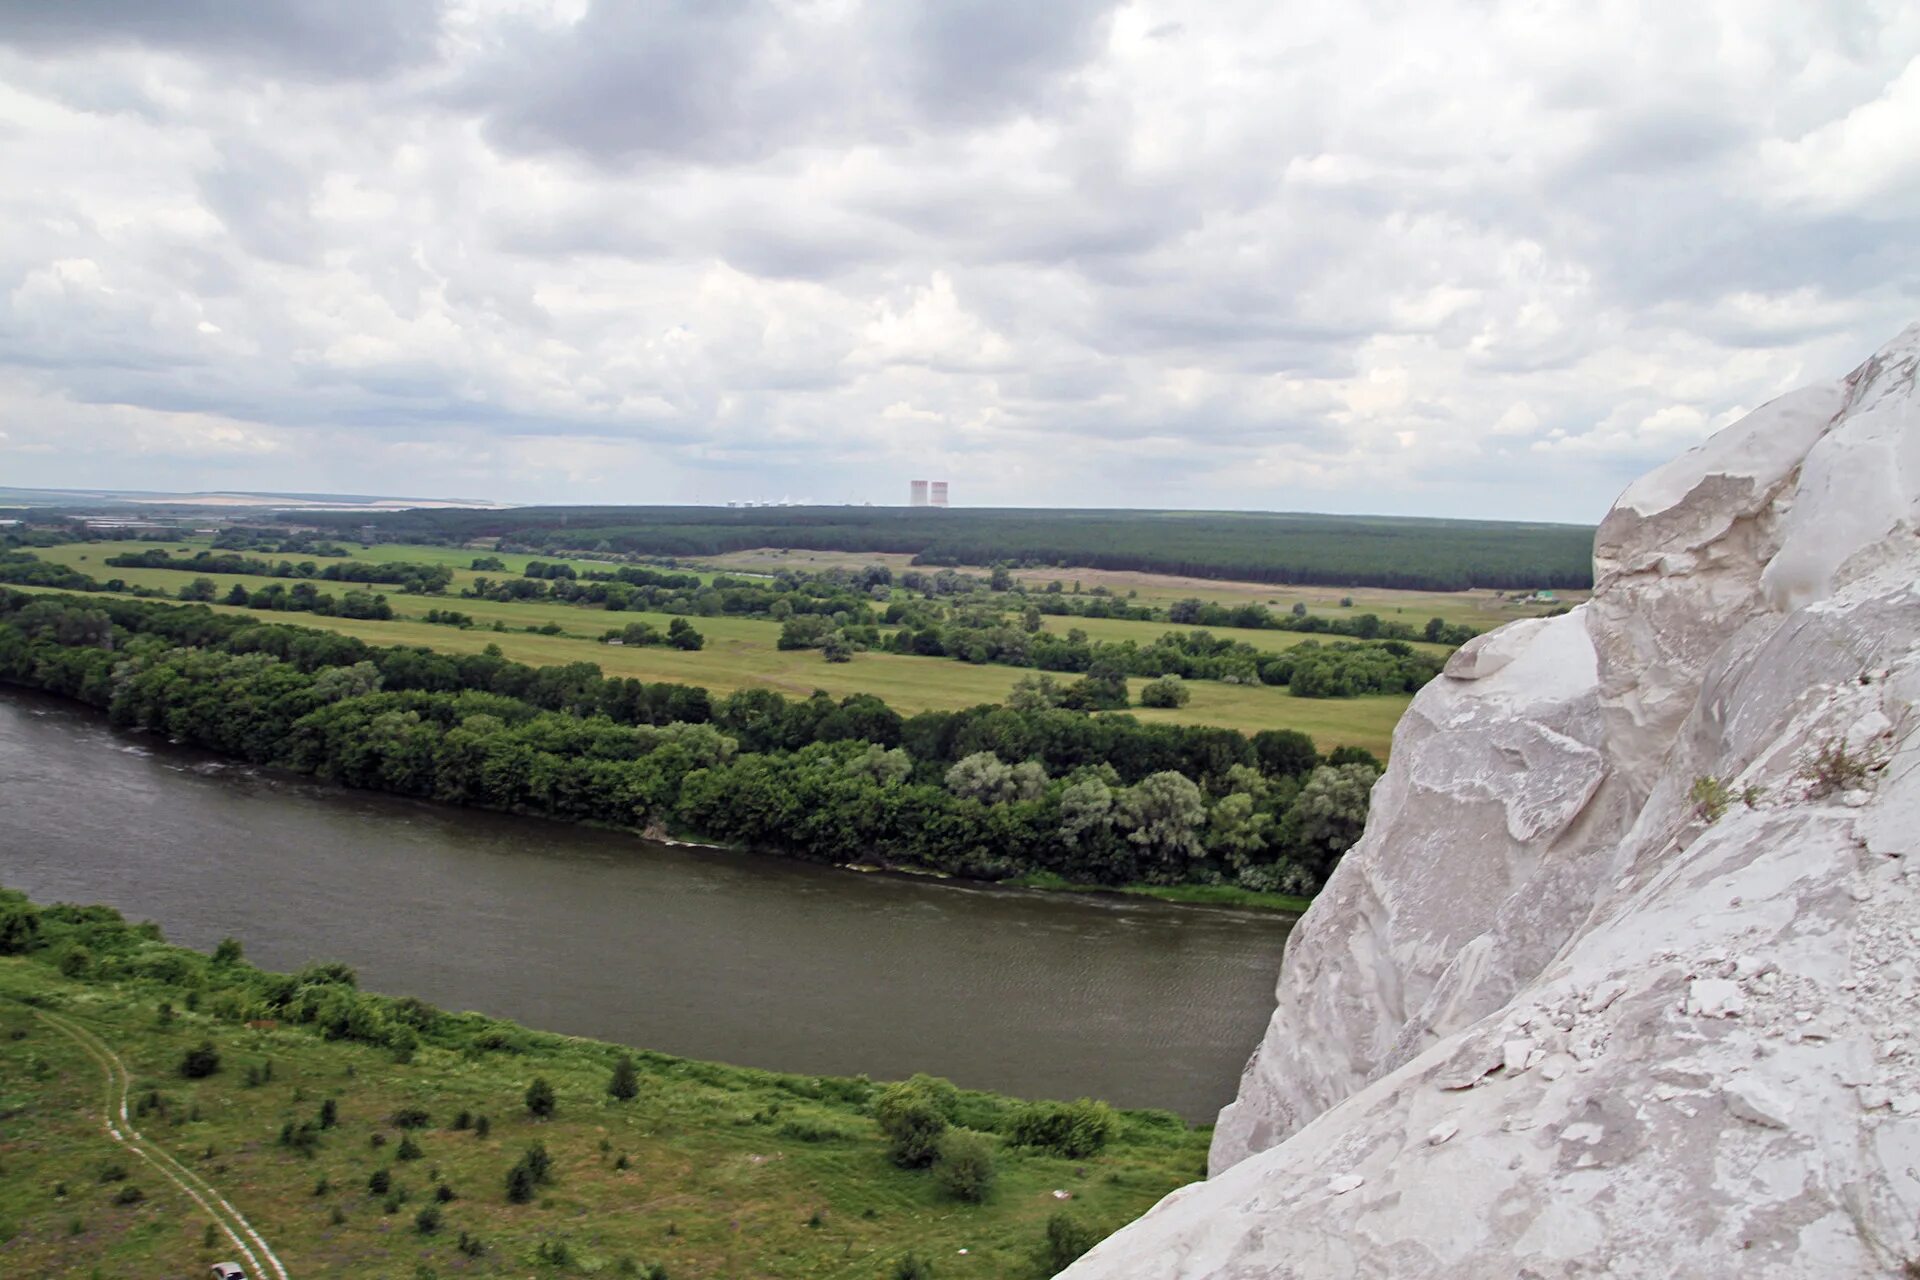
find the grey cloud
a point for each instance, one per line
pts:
(329, 39)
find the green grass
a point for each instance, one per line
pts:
(743, 653)
(727, 1168)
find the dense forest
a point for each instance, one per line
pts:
(994, 792)
(1443, 555)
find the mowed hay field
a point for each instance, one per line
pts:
(742, 652)
(710, 1173)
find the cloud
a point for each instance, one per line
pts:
(1451, 258)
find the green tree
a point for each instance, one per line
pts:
(912, 1115)
(540, 1100)
(963, 1165)
(1067, 1239)
(625, 1084)
(1162, 814)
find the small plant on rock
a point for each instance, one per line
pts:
(1834, 768)
(1710, 798)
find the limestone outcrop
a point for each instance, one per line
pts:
(1621, 979)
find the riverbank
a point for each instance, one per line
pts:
(1197, 895)
(709, 1170)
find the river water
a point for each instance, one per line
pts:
(704, 954)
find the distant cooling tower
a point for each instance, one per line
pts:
(939, 493)
(919, 493)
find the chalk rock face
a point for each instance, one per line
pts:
(1622, 977)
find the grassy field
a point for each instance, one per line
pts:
(711, 1172)
(742, 653)
(1478, 609)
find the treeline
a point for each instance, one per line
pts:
(415, 579)
(1442, 555)
(991, 793)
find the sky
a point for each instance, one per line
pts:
(1464, 259)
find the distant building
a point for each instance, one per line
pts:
(939, 493)
(919, 491)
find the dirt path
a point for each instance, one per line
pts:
(119, 1127)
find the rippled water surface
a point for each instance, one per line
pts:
(712, 955)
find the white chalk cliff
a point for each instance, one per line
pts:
(1556, 1016)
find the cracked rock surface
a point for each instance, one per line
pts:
(1553, 1015)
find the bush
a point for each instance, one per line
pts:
(625, 1084)
(200, 1061)
(533, 1170)
(408, 1149)
(913, 1114)
(1067, 1239)
(130, 1194)
(1833, 768)
(1167, 691)
(379, 1182)
(963, 1166)
(329, 1113)
(410, 1118)
(1710, 798)
(1074, 1130)
(913, 1267)
(427, 1221)
(540, 1100)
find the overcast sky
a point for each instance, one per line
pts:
(1443, 258)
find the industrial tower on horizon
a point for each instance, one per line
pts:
(928, 493)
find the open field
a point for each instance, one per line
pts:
(740, 654)
(1479, 609)
(711, 1172)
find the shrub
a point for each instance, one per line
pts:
(1074, 1130)
(408, 1149)
(913, 1114)
(913, 1267)
(463, 1121)
(963, 1166)
(410, 1118)
(540, 1100)
(1067, 1239)
(329, 1113)
(427, 1221)
(482, 1127)
(1167, 691)
(379, 1182)
(200, 1061)
(625, 1084)
(1833, 768)
(130, 1194)
(1710, 798)
(532, 1170)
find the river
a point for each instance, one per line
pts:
(705, 954)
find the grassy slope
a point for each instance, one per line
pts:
(711, 1191)
(741, 653)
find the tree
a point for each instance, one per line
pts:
(836, 648)
(912, 1115)
(1300, 608)
(540, 1100)
(681, 635)
(227, 952)
(963, 1165)
(1001, 579)
(1072, 1130)
(1167, 691)
(625, 1084)
(1163, 814)
(1035, 693)
(1325, 820)
(200, 589)
(1285, 753)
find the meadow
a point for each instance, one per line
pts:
(742, 652)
